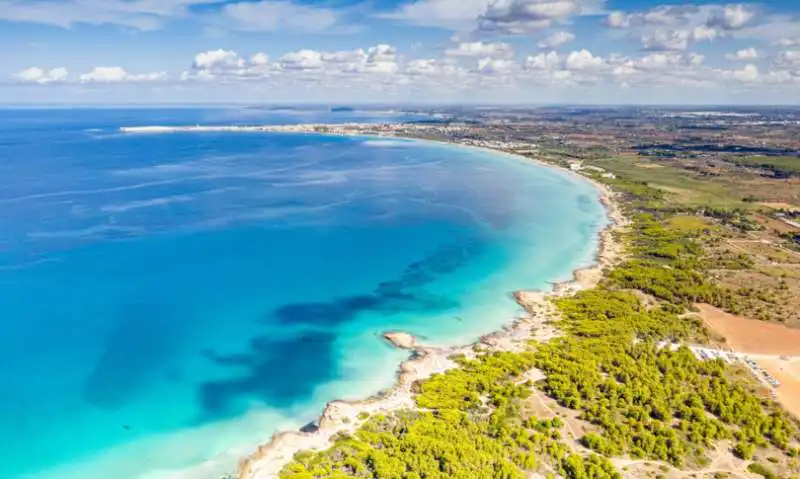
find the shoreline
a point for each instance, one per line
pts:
(425, 360)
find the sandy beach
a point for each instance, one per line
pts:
(426, 360)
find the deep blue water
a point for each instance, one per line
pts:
(179, 297)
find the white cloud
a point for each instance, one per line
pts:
(275, 15)
(787, 42)
(216, 59)
(788, 60)
(302, 60)
(583, 60)
(259, 59)
(379, 59)
(556, 39)
(522, 17)
(227, 65)
(40, 76)
(669, 15)
(748, 74)
(500, 16)
(544, 61)
(663, 61)
(480, 49)
(732, 17)
(138, 14)
(494, 66)
(667, 40)
(703, 33)
(436, 72)
(452, 14)
(618, 19)
(743, 55)
(661, 16)
(423, 66)
(117, 75)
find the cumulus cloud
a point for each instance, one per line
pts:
(544, 61)
(618, 19)
(788, 59)
(747, 74)
(732, 17)
(117, 75)
(480, 49)
(522, 17)
(379, 59)
(423, 67)
(667, 40)
(556, 39)
(583, 60)
(437, 72)
(259, 59)
(743, 55)
(302, 60)
(704, 33)
(227, 64)
(495, 66)
(41, 76)
(215, 59)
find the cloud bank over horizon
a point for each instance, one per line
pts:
(422, 51)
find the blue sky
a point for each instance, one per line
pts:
(399, 51)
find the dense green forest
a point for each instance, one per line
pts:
(640, 400)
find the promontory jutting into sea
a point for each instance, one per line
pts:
(172, 300)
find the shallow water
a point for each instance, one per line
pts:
(179, 297)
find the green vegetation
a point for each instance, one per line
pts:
(643, 400)
(650, 402)
(682, 186)
(761, 470)
(471, 427)
(779, 166)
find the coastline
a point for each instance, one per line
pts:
(425, 360)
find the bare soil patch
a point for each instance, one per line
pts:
(788, 373)
(781, 206)
(750, 335)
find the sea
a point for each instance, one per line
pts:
(169, 301)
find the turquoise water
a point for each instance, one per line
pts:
(172, 300)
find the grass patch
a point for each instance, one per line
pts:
(689, 224)
(684, 187)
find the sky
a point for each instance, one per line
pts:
(514, 52)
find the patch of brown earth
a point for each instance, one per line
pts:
(750, 335)
(788, 373)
